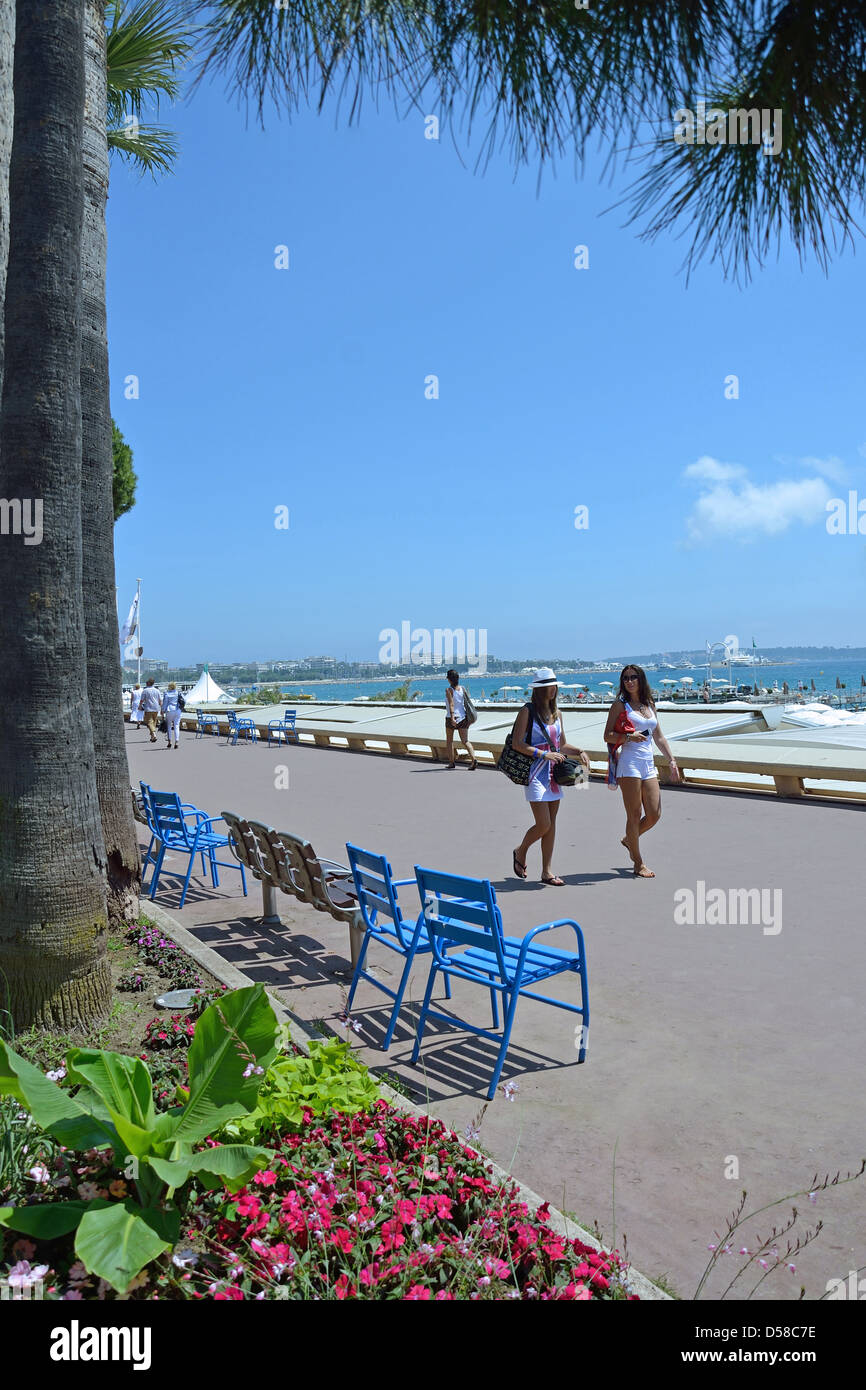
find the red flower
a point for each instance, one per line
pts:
(343, 1241)
(248, 1205)
(419, 1292)
(266, 1178)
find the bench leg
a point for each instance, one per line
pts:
(270, 916)
(788, 786)
(356, 941)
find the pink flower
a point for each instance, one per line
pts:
(87, 1191)
(418, 1292)
(248, 1205)
(582, 1293)
(266, 1178)
(40, 1173)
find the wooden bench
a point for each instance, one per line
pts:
(281, 860)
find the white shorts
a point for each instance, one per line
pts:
(633, 762)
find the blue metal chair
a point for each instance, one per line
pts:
(169, 829)
(205, 722)
(285, 726)
(463, 912)
(150, 819)
(384, 923)
(244, 725)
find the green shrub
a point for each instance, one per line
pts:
(331, 1078)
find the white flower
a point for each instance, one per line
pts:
(57, 1075)
(508, 1089)
(184, 1259)
(40, 1173)
(472, 1132)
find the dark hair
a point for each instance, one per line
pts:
(645, 695)
(453, 677)
(538, 695)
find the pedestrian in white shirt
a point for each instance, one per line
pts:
(151, 700)
(171, 711)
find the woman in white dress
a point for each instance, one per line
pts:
(135, 714)
(538, 733)
(636, 773)
(456, 718)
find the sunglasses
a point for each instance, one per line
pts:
(631, 678)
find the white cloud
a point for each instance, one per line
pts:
(711, 470)
(832, 468)
(731, 505)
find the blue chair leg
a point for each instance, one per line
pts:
(424, 1007)
(506, 1037)
(398, 1000)
(215, 878)
(243, 879)
(494, 1009)
(186, 880)
(157, 870)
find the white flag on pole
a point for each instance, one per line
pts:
(129, 627)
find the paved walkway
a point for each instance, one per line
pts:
(708, 1042)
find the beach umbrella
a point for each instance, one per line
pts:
(687, 680)
(667, 682)
(609, 683)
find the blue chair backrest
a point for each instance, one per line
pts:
(289, 717)
(462, 911)
(168, 817)
(232, 717)
(148, 808)
(376, 896)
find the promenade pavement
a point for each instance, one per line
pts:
(721, 1057)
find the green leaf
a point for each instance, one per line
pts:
(239, 1023)
(53, 1109)
(122, 1083)
(116, 1241)
(44, 1220)
(235, 1162)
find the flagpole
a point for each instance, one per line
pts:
(138, 644)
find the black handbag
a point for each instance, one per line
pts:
(181, 702)
(518, 766)
(566, 773)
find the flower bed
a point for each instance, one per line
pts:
(383, 1205)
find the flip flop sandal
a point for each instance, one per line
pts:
(519, 869)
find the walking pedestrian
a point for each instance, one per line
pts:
(135, 715)
(538, 732)
(457, 718)
(634, 709)
(151, 699)
(171, 712)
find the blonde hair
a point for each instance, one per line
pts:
(172, 686)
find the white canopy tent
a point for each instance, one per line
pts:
(206, 692)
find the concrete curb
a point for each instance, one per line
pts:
(302, 1034)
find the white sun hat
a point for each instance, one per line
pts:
(543, 676)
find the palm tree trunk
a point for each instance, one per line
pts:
(104, 676)
(53, 917)
(7, 45)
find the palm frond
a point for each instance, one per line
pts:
(807, 61)
(151, 149)
(146, 43)
(543, 73)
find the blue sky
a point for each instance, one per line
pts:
(304, 388)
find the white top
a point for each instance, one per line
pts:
(541, 785)
(134, 701)
(459, 705)
(150, 697)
